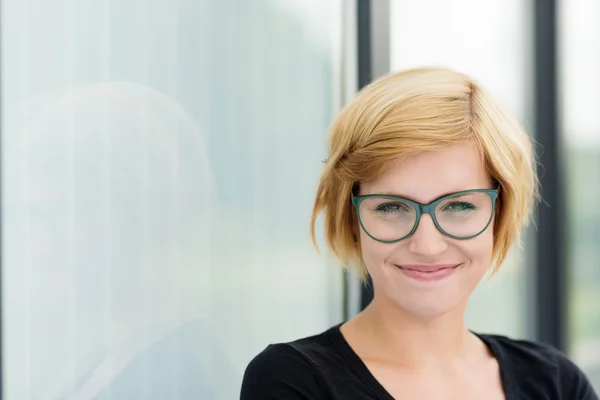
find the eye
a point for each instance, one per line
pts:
(392, 208)
(459, 206)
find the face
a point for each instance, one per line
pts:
(428, 273)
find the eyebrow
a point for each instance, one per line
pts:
(385, 193)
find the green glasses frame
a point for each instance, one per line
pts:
(425, 209)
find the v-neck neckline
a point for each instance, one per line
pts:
(379, 392)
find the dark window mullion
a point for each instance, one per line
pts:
(550, 271)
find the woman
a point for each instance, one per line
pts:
(428, 183)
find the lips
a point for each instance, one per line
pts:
(427, 267)
(428, 272)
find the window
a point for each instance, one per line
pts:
(579, 66)
(159, 166)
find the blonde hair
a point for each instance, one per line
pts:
(413, 111)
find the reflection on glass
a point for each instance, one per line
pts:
(499, 57)
(160, 160)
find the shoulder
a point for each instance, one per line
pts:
(277, 360)
(541, 366)
(529, 353)
(288, 370)
(526, 350)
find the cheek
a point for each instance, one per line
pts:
(479, 250)
(374, 253)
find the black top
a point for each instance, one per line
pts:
(325, 367)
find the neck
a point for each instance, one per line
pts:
(398, 337)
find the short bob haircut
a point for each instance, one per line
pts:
(419, 110)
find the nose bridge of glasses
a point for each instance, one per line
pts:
(426, 236)
(427, 209)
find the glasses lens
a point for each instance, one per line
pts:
(387, 219)
(464, 215)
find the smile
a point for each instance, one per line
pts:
(428, 273)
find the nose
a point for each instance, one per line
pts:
(427, 241)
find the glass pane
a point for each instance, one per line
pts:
(465, 215)
(498, 56)
(579, 65)
(387, 219)
(159, 165)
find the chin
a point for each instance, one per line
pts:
(425, 306)
(427, 311)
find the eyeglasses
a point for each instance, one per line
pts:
(461, 215)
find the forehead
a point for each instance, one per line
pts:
(428, 175)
